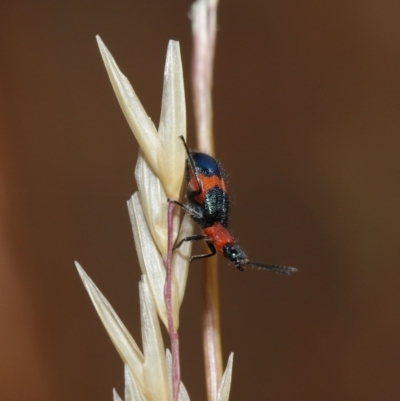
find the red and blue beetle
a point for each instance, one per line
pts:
(208, 205)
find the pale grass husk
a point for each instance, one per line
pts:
(147, 373)
(159, 172)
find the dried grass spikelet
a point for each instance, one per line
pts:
(162, 150)
(165, 157)
(151, 262)
(159, 174)
(147, 374)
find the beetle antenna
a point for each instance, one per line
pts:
(184, 144)
(191, 162)
(275, 268)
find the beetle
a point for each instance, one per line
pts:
(209, 206)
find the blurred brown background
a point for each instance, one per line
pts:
(307, 116)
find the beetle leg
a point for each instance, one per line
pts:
(187, 209)
(189, 238)
(206, 255)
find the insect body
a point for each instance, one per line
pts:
(208, 205)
